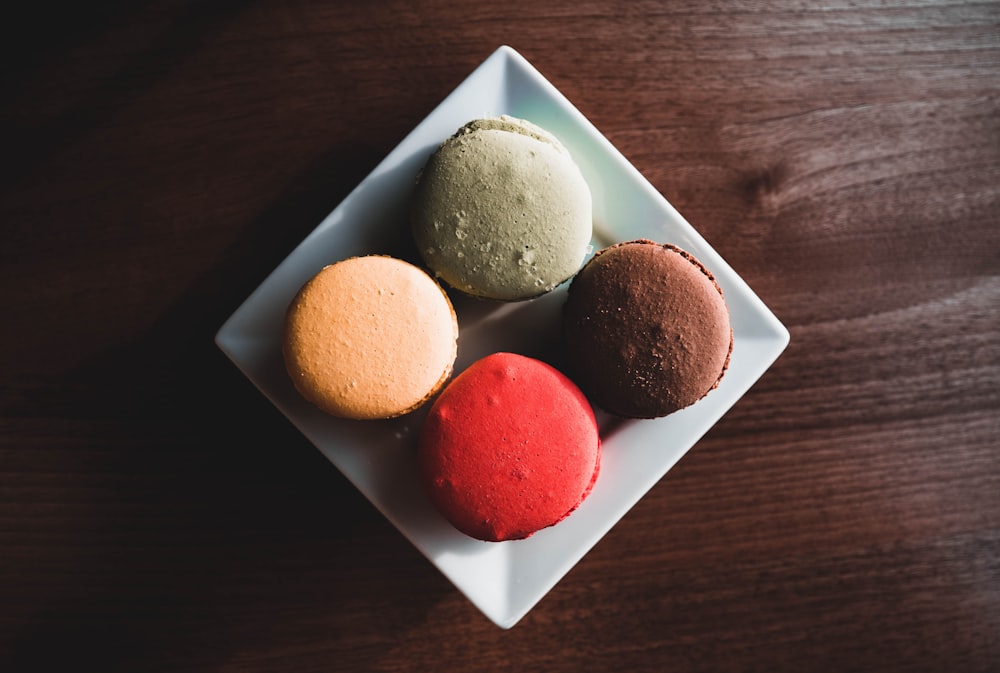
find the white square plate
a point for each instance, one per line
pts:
(504, 580)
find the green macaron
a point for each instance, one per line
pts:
(501, 211)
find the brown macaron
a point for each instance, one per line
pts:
(647, 329)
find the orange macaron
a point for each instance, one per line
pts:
(370, 337)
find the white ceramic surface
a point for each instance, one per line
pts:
(504, 580)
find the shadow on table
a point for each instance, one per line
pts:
(40, 35)
(213, 531)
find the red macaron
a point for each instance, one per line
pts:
(511, 446)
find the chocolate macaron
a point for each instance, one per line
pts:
(647, 329)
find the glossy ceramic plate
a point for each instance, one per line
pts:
(504, 580)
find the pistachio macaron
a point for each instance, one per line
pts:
(502, 211)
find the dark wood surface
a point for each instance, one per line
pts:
(160, 158)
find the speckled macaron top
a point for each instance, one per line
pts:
(501, 211)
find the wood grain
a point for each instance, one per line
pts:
(157, 514)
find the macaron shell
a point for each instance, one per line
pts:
(647, 329)
(511, 446)
(502, 212)
(513, 125)
(370, 337)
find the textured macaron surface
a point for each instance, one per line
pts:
(647, 329)
(501, 211)
(511, 446)
(370, 337)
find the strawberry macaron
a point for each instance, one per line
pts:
(510, 447)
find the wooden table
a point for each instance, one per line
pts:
(160, 158)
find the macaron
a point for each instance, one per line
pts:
(510, 447)
(370, 337)
(501, 211)
(646, 329)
